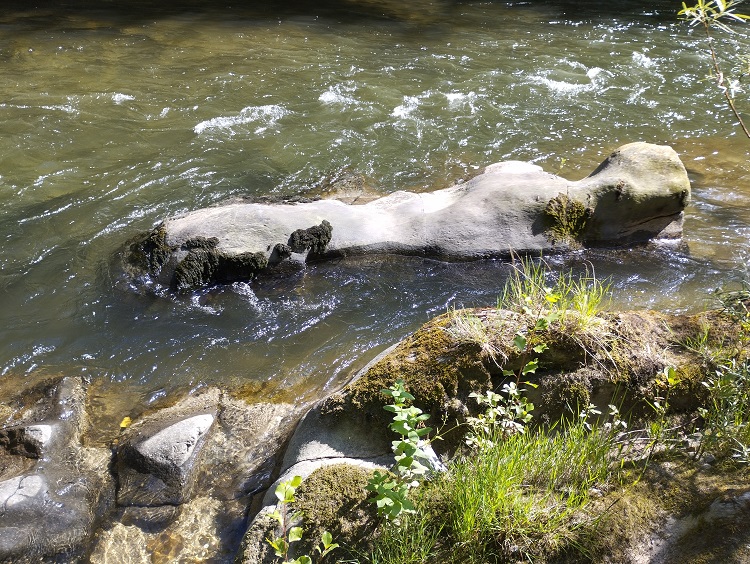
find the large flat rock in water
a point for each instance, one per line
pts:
(636, 195)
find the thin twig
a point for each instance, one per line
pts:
(720, 78)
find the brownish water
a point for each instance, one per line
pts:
(112, 118)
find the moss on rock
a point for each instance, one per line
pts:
(568, 219)
(334, 499)
(242, 266)
(198, 268)
(611, 358)
(314, 239)
(147, 253)
(205, 264)
(435, 369)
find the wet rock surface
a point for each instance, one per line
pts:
(177, 485)
(53, 490)
(182, 480)
(636, 195)
(187, 475)
(156, 468)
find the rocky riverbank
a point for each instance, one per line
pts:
(183, 482)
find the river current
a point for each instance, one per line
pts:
(114, 116)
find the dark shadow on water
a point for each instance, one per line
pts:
(52, 13)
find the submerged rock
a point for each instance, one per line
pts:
(636, 195)
(186, 476)
(53, 489)
(158, 467)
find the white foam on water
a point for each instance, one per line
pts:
(405, 110)
(461, 101)
(119, 98)
(597, 76)
(643, 60)
(339, 94)
(265, 115)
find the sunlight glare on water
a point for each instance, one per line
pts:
(114, 119)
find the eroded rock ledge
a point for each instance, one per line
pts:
(180, 481)
(636, 195)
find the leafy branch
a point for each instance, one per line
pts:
(392, 489)
(709, 14)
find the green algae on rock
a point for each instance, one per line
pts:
(568, 219)
(146, 254)
(314, 239)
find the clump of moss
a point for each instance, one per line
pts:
(566, 391)
(335, 499)
(435, 369)
(242, 266)
(567, 219)
(205, 264)
(281, 252)
(147, 254)
(713, 336)
(197, 269)
(314, 239)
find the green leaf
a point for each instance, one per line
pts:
(281, 491)
(328, 544)
(279, 546)
(329, 548)
(295, 534)
(384, 502)
(530, 367)
(539, 349)
(520, 342)
(407, 396)
(285, 490)
(277, 516)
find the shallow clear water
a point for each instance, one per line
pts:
(114, 117)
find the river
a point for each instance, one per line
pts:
(114, 115)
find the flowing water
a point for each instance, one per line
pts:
(116, 115)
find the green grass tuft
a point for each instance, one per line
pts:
(518, 499)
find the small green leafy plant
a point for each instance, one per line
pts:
(521, 490)
(392, 489)
(665, 381)
(291, 533)
(727, 413)
(508, 413)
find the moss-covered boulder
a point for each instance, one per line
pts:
(610, 358)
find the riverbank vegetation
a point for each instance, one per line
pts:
(585, 487)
